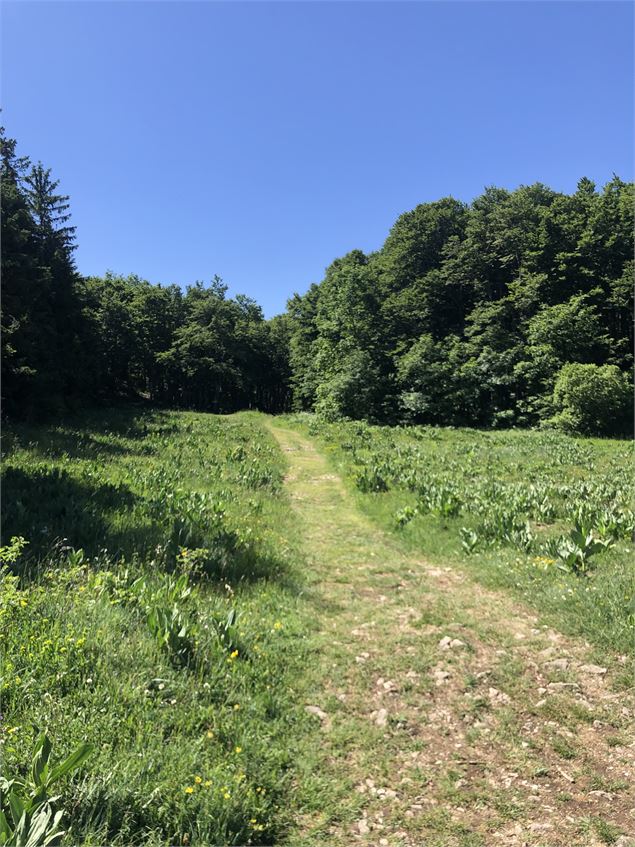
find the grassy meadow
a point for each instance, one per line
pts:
(154, 612)
(544, 514)
(164, 605)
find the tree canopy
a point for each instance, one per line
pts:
(473, 314)
(470, 314)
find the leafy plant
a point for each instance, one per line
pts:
(10, 553)
(405, 515)
(371, 479)
(29, 815)
(592, 399)
(173, 633)
(469, 540)
(613, 524)
(169, 658)
(576, 550)
(171, 625)
(227, 632)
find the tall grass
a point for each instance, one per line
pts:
(155, 612)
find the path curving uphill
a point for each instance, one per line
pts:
(447, 715)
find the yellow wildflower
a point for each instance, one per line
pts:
(198, 780)
(277, 625)
(238, 749)
(189, 790)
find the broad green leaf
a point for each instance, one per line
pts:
(5, 829)
(17, 807)
(74, 761)
(42, 754)
(21, 832)
(39, 826)
(55, 833)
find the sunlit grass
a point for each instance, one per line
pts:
(186, 690)
(521, 494)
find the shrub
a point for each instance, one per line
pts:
(592, 400)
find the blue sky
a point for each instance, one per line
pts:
(261, 140)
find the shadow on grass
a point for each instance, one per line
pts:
(44, 506)
(54, 510)
(93, 435)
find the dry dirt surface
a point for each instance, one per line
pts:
(447, 714)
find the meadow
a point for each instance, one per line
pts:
(166, 616)
(151, 609)
(546, 515)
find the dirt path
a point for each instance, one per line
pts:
(448, 716)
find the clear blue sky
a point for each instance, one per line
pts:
(261, 140)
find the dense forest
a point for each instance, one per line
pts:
(69, 340)
(514, 310)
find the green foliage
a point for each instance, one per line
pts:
(42, 323)
(29, 815)
(575, 550)
(171, 624)
(173, 486)
(10, 554)
(68, 341)
(181, 663)
(469, 540)
(467, 314)
(439, 384)
(592, 400)
(349, 366)
(200, 349)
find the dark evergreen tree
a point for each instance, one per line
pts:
(19, 326)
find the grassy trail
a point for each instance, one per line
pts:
(448, 715)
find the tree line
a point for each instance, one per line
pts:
(514, 310)
(69, 340)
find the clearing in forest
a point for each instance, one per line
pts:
(448, 714)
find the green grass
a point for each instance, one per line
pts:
(174, 610)
(605, 831)
(157, 613)
(520, 494)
